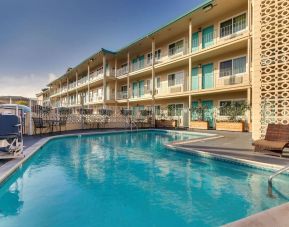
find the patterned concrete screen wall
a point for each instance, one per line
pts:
(271, 85)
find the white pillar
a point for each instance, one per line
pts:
(189, 111)
(190, 75)
(128, 87)
(190, 36)
(104, 79)
(115, 84)
(67, 81)
(30, 119)
(76, 76)
(88, 85)
(153, 81)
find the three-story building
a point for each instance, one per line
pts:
(203, 58)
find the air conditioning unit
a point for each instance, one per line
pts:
(176, 89)
(233, 80)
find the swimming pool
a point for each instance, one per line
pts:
(131, 179)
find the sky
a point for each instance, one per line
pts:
(40, 39)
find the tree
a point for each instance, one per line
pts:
(22, 102)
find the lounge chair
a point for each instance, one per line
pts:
(38, 124)
(276, 139)
(11, 133)
(62, 122)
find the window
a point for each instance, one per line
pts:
(158, 110)
(176, 47)
(175, 79)
(148, 85)
(157, 56)
(224, 105)
(149, 58)
(158, 82)
(233, 25)
(124, 88)
(175, 109)
(233, 67)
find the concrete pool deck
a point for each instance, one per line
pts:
(226, 145)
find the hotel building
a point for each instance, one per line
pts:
(221, 52)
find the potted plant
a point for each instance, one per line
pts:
(199, 122)
(165, 120)
(234, 118)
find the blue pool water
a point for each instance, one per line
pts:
(131, 179)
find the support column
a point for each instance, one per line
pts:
(190, 75)
(190, 36)
(115, 84)
(249, 103)
(128, 87)
(189, 111)
(60, 96)
(104, 80)
(200, 77)
(67, 82)
(76, 76)
(88, 85)
(153, 81)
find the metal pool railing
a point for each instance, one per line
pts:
(270, 179)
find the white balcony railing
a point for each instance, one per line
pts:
(97, 75)
(72, 85)
(122, 95)
(82, 81)
(233, 28)
(122, 71)
(176, 50)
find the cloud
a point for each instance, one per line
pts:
(51, 77)
(26, 85)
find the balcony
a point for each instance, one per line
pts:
(71, 85)
(122, 95)
(138, 93)
(171, 90)
(96, 98)
(140, 65)
(82, 81)
(219, 36)
(176, 51)
(97, 75)
(122, 71)
(64, 89)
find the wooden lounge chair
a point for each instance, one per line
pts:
(276, 139)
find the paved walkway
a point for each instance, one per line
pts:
(234, 144)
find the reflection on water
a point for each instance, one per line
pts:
(131, 179)
(11, 201)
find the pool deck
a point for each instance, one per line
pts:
(235, 145)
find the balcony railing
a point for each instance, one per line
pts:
(82, 81)
(170, 90)
(64, 89)
(233, 28)
(71, 85)
(122, 71)
(122, 95)
(176, 50)
(140, 65)
(98, 75)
